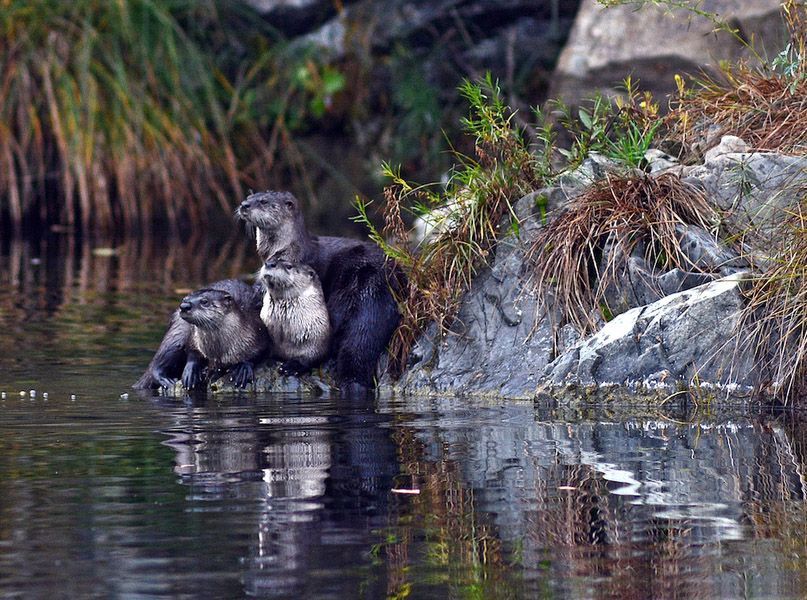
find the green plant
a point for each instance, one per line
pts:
(467, 214)
(623, 130)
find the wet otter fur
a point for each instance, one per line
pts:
(295, 314)
(355, 279)
(214, 330)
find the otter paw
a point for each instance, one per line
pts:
(242, 374)
(192, 375)
(165, 381)
(292, 367)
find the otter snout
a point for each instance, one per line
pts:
(185, 306)
(244, 207)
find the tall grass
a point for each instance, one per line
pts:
(118, 113)
(774, 324)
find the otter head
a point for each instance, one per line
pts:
(279, 222)
(269, 211)
(206, 308)
(286, 279)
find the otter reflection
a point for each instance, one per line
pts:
(308, 475)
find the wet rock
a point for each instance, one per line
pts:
(655, 43)
(683, 337)
(269, 379)
(499, 344)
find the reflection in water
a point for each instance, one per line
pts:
(579, 506)
(275, 496)
(321, 481)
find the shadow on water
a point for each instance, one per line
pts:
(108, 495)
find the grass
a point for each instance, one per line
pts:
(625, 212)
(775, 322)
(121, 114)
(466, 215)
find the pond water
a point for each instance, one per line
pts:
(104, 493)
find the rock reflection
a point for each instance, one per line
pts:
(596, 505)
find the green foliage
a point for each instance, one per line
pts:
(463, 216)
(623, 130)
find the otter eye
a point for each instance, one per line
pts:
(205, 302)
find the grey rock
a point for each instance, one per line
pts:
(755, 191)
(707, 254)
(295, 17)
(659, 161)
(688, 334)
(638, 283)
(655, 43)
(499, 343)
(729, 144)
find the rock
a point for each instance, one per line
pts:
(655, 43)
(499, 344)
(755, 191)
(681, 338)
(728, 144)
(659, 161)
(268, 379)
(294, 17)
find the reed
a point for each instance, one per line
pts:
(121, 114)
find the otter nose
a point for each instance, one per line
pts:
(270, 264)
(245, 205)
(185, 306)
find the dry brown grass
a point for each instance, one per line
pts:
(766, 106)
(775, 321)
(626, 211)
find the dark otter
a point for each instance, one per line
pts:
(354, 276)
(295, 314)
(216, 328)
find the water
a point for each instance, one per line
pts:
(107, 495)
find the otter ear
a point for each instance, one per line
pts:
(289, 202)
(228, 299)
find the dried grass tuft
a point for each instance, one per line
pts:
(765, 106)
(625, 211)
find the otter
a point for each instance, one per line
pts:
(217, 329)
(295, 314)
(355, 278)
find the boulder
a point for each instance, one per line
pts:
(500, 343)
(684, 337)
(655, 43)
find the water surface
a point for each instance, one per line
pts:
(104, 494)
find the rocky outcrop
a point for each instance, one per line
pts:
(683, 337)
(499, 344)
(655, 43)
(754, 190)
(670, 328)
